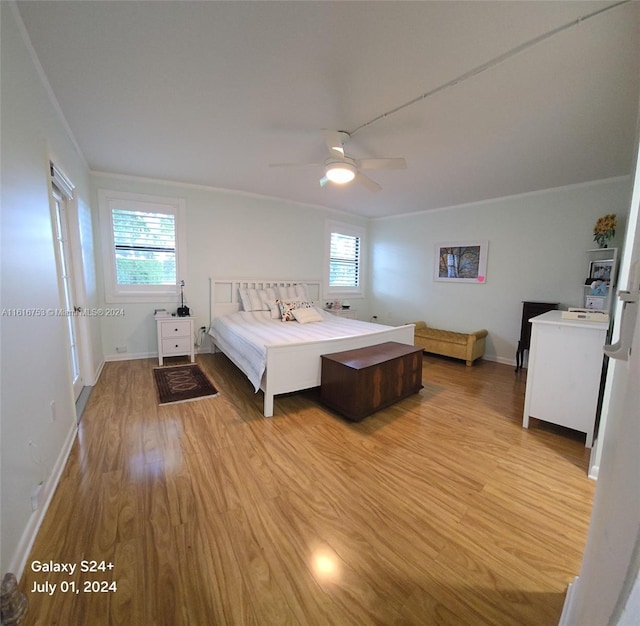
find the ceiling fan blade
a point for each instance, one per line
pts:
(295, 164)
(365, 181)
(335, 142)
(382, 164)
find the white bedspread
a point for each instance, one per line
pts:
(244, 336)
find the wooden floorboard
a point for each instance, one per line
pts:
(440, 509)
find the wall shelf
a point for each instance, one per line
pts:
(600, 281)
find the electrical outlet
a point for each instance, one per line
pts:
(203, 329)
(121, 349)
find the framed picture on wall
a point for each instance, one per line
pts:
(461, 262)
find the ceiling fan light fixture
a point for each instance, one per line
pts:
(340, 172)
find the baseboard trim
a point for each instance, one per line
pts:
(97, 373)
(131, 356)
(134, 356)
(25, 544)
(568, 603)
(594, 467)
(499, 359)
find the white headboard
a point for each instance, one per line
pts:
(224, 298)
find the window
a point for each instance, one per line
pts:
(345, 247)
(344, 260)
(145, 247)
(144, 253)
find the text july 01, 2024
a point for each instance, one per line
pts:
(66, 570)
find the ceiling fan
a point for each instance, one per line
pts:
(340, 168)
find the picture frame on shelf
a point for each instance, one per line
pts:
(595, 303)
(464, 262)
(601, 270)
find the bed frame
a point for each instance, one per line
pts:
(294, 367)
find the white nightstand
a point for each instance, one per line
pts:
(350, 313)
(175, 337)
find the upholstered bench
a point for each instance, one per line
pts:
(465, 346)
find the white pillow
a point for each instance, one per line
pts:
(243, 292)
(274, 308)
(298, 291)
(256, 299)
(304, 316)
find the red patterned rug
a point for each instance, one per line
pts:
(182, 383)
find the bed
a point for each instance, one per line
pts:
(281, 357)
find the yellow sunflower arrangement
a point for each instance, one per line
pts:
(605, 229)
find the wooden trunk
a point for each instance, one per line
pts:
(356, 383)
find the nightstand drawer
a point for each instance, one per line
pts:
(175, 329)
(175, 337)
(176, 345)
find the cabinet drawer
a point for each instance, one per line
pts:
(176, 345)
(175, 329)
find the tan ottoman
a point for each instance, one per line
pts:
(465, 346)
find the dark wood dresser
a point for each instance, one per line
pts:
(530, 309)
(356, 383)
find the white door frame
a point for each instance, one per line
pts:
(61, 185)
(67, 284)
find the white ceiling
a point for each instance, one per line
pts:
(212, 92)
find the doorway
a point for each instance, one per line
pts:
(69, 310)
(61, 197)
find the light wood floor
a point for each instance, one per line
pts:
(438, 510)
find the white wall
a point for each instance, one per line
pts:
(229, 235)
(537, 245)
(34, 365)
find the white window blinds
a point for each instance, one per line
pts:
(344, 260)
(145, 247)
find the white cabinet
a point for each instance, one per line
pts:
(175, 337)
(565, 366)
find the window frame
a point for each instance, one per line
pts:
(127, 201)
(350, 230)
